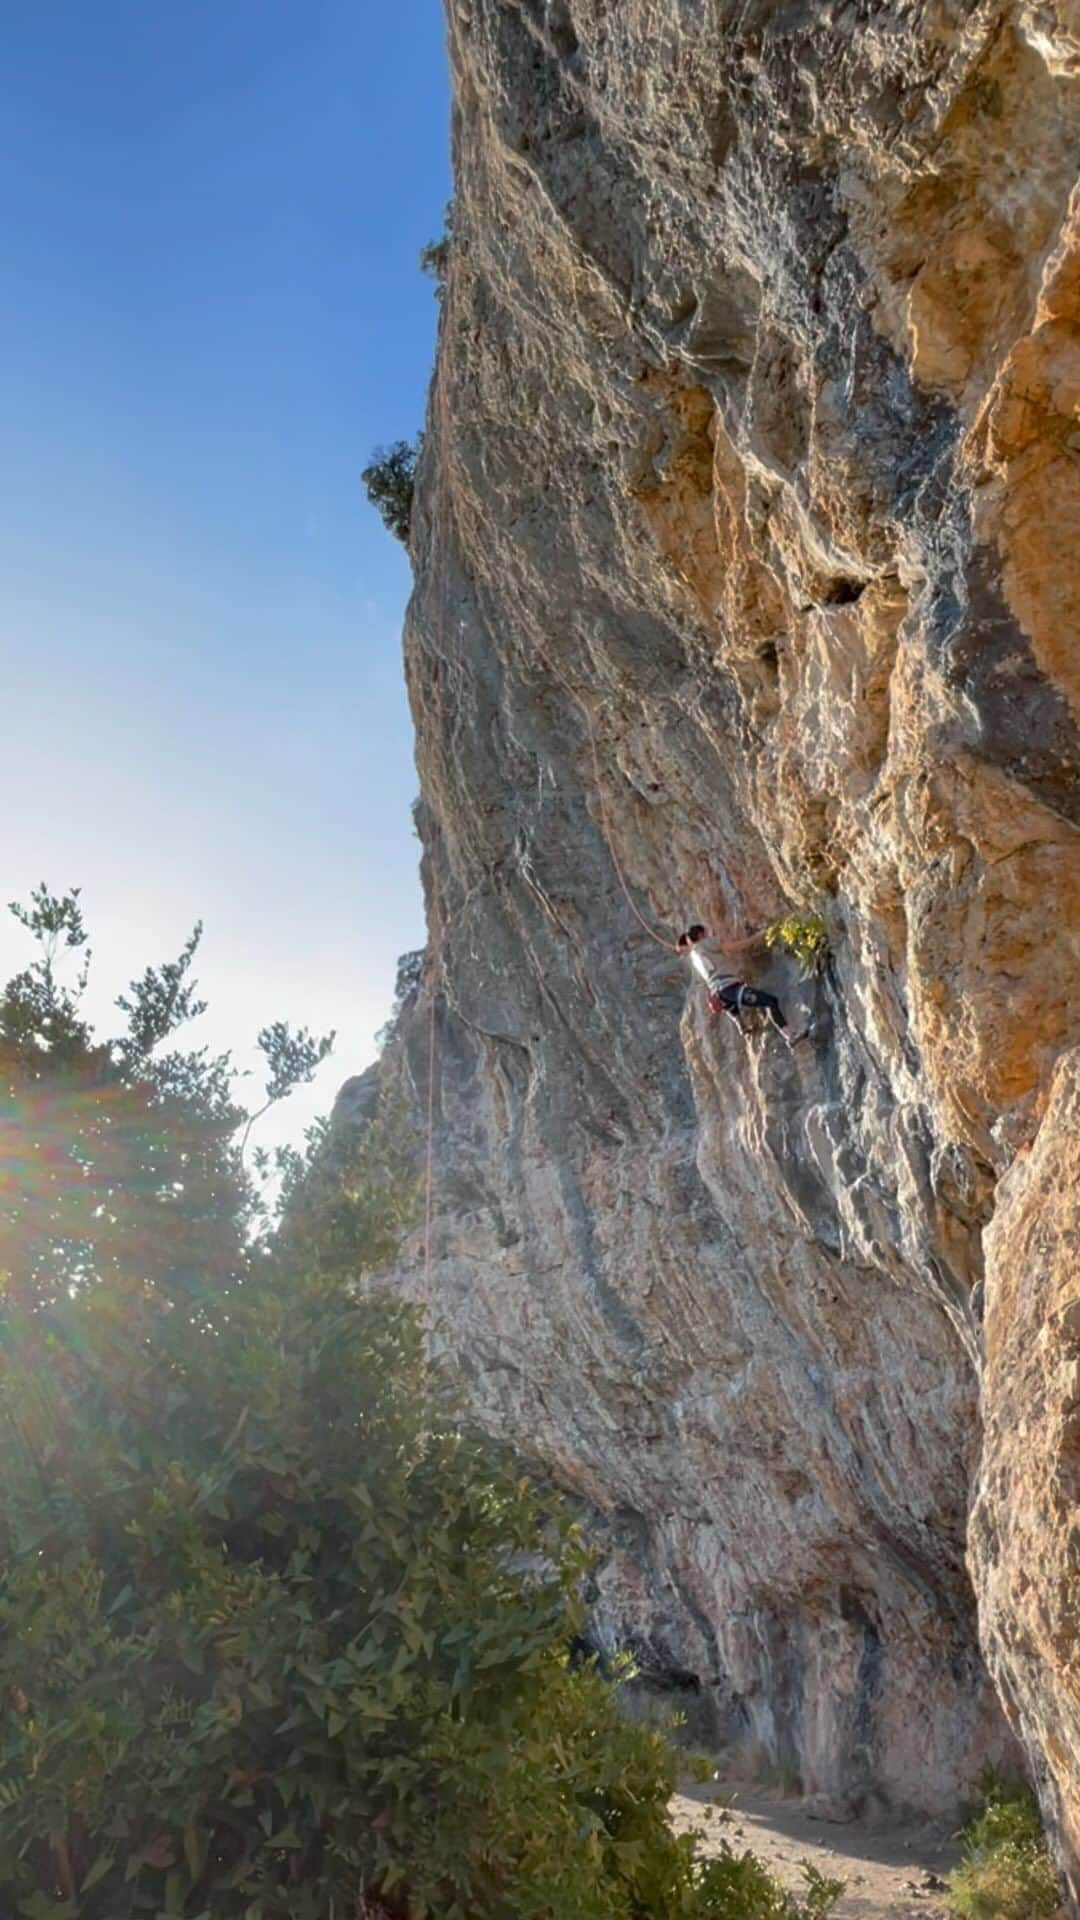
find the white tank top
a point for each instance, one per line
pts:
(704, 965)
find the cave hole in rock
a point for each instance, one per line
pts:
(841, 591)
(670, 1680)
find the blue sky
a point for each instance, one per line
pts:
(210, 214)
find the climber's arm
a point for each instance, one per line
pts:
(742, 946)
(718, 912)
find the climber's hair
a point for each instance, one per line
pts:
(690, 938)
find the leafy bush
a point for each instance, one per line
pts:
(274, 1633)
(389, 479)
(1006, 1872)
(127, 1146)
(263, 1644)
(734, 1886)
(278, 1639)
(349, 1196)
(410, 972)
(435, 260)
(805, 937)
(435, 256)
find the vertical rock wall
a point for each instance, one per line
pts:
(1025, 1532)
(753, 450)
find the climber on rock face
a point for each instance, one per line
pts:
(727, 993)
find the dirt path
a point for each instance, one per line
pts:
(890, 1873)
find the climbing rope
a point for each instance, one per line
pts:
(440, 564)
(440, 555)
(429, 1178)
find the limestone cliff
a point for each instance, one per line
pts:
(753, 451)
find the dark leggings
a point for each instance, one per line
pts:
(736, 996)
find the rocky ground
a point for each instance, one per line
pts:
(891, 1872)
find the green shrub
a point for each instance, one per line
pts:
(435, 262)
(389, 480)
(1006, 1872)
(278, 1639)
(263, 1640)
(435, 256)
(123, 1158)
(274, 1634)
(732, 1886)
(805, 937)
(349, 1196)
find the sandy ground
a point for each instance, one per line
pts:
(894, 1873)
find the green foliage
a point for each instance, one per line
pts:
(274, 1633)
(292, 1059)
(410, 972)
(733, 1886)
(161, 1001)
(278, 1639)
(805, 937)
(435, 257)
(389, 479)
(435, 262)
(820, 1891)
(122, 1159)
(348, 1197)
(239, 1610)
(1006, 1872)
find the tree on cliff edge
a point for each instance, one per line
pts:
(389, 480)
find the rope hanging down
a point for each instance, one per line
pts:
(429, 1174)
(440, 560)
(441, 571)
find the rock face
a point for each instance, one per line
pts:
(1026, 1523)
(746, 549)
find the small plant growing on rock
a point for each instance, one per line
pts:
(805, 937)
(1006, 1872)
(389, 480)
(435, 261)
(435, 256)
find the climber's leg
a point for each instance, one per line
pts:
(766, 1002)
(735, 994)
